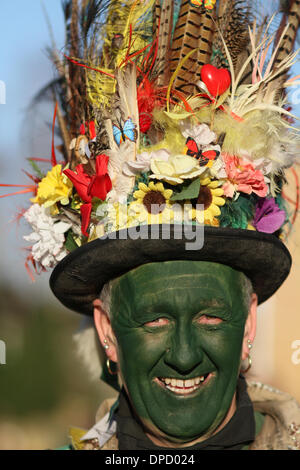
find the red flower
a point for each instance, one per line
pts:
(89, 187)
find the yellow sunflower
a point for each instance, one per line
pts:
(210, 195)
(152, 204)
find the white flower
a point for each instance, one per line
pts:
(201, 133)
(143, 162)
(218, 169)
(122, 184)
(47, 237)
(176, 169)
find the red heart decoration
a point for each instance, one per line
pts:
(216, 80)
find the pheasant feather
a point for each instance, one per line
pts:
(286, 43)
(193, 31)
(233, 20)
(164, 25)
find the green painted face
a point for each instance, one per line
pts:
(179, 326)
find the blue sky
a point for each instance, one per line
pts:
(25, 68)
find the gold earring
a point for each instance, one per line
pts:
(105, 344)
(109, 369)
(244, 371)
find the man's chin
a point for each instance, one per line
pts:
(162, 439)
(182, 436)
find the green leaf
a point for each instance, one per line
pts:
(190, 192)
(36, 169)
(70, 244)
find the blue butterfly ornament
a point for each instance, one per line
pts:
(127, 131)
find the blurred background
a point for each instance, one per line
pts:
(43, 388)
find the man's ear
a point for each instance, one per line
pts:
(104, 329)
(250, 327)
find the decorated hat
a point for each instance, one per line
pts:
(175, 127)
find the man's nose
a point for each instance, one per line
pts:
(184, 351)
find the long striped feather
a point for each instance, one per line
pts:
(206, 35)
(233, 21)
(194, 30)
(287, 44)
(164, 24)
(286, 37)
(156, 17)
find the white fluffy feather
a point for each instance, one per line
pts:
(89, 349)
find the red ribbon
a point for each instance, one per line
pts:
(53, 156)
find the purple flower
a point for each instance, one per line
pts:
(268, 217)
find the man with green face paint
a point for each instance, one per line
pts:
(178, 331)
(177, 327)
(168, 217)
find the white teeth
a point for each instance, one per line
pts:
(180, 391)
(183, 387)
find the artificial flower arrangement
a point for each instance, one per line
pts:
(148, 152)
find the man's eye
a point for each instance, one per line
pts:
(208, 320)
(158, 322)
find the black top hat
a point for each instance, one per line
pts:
(79, 278)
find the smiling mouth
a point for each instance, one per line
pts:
(183, 387)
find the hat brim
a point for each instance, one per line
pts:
(78, 279)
